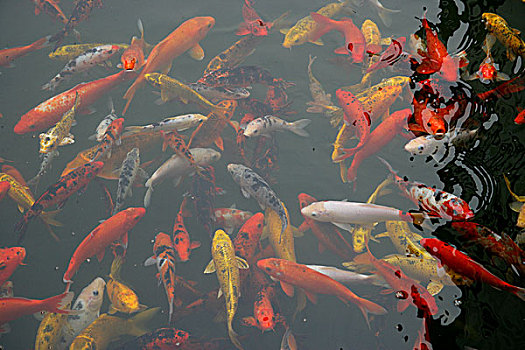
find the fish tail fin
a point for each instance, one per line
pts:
(324, 25)
(149, 192)
(298, 126)
(234, 337)
(520, 293)
(58, 303)
(49, 218)
(116, 266)
(137, 324)
(21, 227)
(387, 164)
(129, 94)
(368, 307)
(41, 43)
(386, 15)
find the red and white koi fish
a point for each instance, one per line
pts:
(111, 137)
(433, 201)
(463, 264)
(181, 238)
(230, 218)
(7, 56)
(49, 112)
(82, 63)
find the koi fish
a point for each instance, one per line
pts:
(247, 240)
(49, 112)
(69, 52)
(10, 258)
(133, 57)
(227, 265)
(291, 274)
(355, 116)
(4, 188)
(128, 173)
(160, 339)
(219, 93)
(51, 8)
(390, 56)
(253, 23)
(253, 185)
(58, 193)
(319, 96)
(164, 258)
(306, 27)
(181, 238)
(355, 44)
(111, 138)
(88, 305)
(465, 265)
(171, 88)
(433, 201)
(518, 205)
(230, 218)
(342, 214)
(282, 242)
(7, 56)
(82, 63)
(348, 277)
(60, 134)
(13, 308)
(176, 123)
(234, 55)
(506, 35)
(488, 71)
(264, 316)
(434, 144)
(265, 126)
(243, 76)
(113, 229)
(186, 37)
(122, 298)
(107, 329)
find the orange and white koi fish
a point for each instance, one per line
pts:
(185, 37)
(7, 56)
(10, 258)
(181, 238)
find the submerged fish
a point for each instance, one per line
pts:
(127, 175)
(265, 126)
(176, 123)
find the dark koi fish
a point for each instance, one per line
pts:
(243, 76)
(51, 8)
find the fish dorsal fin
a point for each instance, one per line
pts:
(210, 268)
(219, 294)
(241, 263)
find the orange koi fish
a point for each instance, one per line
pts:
(488, 71)
(113, 229)
(186, 37)
(520, 118)
(51, 8)
(49, 112)
(7, 56)
(355, 116)
(290, 273)
(466, 266)
(13, 308)
(248, 238)
(10, 258)
(264, 316)
(253, 23)
(4, 188)
(181, 238)
(133, 57)
(59, 192)
(164, 258)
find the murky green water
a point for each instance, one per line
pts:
(485, 319)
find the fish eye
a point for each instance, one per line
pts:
(314, 214)
(420, 148)
(268, 269)
(255, 131)
(95, 292)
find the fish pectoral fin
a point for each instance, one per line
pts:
(284, 30)
(241, 263)
(100, 255)
(219, 143)
(245, 193)
(382, 235)
(516, 206)
(166, 96)
(516, 31)
(195, 245)
(150, 261)
(403, 304)
(196, 52)
(346, 227)
(311, 296)
(318, 42)
(287, 288)
(68, 140)
(219, 293)
(210, 268)
(434, 287)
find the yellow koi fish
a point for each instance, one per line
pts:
(68, 52)
(60, 135)
(506, 35)
(518, 206)
(122, 297)
(48, 334)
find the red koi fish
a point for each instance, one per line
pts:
(49, 112)
(355, 43)
(520, 118)
(230, 218)
(160, 339)
(292, 274)
(181, 238)
(247, 240)
(327, 234)
(428, 120)
(390, 56)
(435, 202)
(509, 87)
(13, 308)
(379, 138)
(487, 71)
(436, 59)
(253, 23)
(498, 245)
(264, 316)
(7, 56)
(133, 57)
(51, 8)
(186, 37)
(115, 228)
(407, 290)
(4, 188)
(354, 116)
(59, 192)
(80, 13)
(111, 137)
(164, 258)
(466, 266)
(10, 258)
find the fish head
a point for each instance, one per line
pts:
(32, 121)
(458, 209)
(236, 171)
(271, 266)
(432, 245)
(204, 156)
(305, 200)
(314, 211)
(239, 93)
(128, 63)
(154, 79)
(487, 71)
(491, 21)
(421, 145)
(92, 296)
(254, 127)
(18, 254)
(254, 226)
(294, 37)
(203, 25)
(47, 142)
(265, 319)
(219, 237)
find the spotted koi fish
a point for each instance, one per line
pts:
(435, 202)
(175, 141)
(160, 339)
(508, 36)
(60, 134)
(59, 192)
(82, 63)
(111, 137)
(242, 77)
(180, 236)
(164, 258)
(127, 175)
